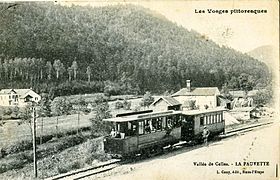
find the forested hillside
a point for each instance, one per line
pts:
(264, 54)
(119, 49)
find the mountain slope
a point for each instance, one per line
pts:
(129, 45)
(264, 54)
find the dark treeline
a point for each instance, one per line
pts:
(120, 49)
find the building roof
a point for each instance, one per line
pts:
(199, 91)
(169, 100)
(240, 93)
(5, 91)
(237, 93)
(223, 99)
(21, 92)
(200, 111)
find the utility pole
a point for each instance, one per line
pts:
(78, 120)
(41, 135)
(34, 141)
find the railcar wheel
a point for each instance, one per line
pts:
(159, 150)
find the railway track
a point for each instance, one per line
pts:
(244, 129)
(85, 172)
(107, 166)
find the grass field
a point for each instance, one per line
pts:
(12, 131)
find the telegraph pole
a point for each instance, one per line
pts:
(34, 141)
(78, 120)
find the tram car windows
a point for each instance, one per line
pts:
(141, 127)
(201, 121)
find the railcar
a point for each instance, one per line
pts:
(195, 120)
(144, 133)
(149, 132)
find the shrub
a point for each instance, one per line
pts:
(94, 151)
(19, 146)
(15, 161)
(66, 167)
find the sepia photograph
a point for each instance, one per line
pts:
(139, 90)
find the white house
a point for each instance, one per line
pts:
(18, 97)
(203, 96)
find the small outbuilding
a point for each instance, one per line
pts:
(223, 102)
(165, 103)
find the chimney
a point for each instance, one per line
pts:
(189, 85)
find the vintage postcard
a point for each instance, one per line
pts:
(139, 89)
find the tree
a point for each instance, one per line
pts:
(26, 117)
(99, 127)
(88, 72)
(225, 92)
(81, 103)
(7, 111)
(58, 66)
(49, 69)
(111, 88)
(246, 82)
(44, 106)
(147, 99)
(70, 71)
(44, 110)
(75, 68)
(263, 96)
(60, 106)
(15, 112)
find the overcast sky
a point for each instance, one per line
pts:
(242, 32)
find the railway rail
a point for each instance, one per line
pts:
(114, 163)
(89, 171)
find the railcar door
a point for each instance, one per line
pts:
(188, 128)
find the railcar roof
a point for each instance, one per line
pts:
(199, 111)
(141, 116)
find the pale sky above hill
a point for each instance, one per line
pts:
(242, 32)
